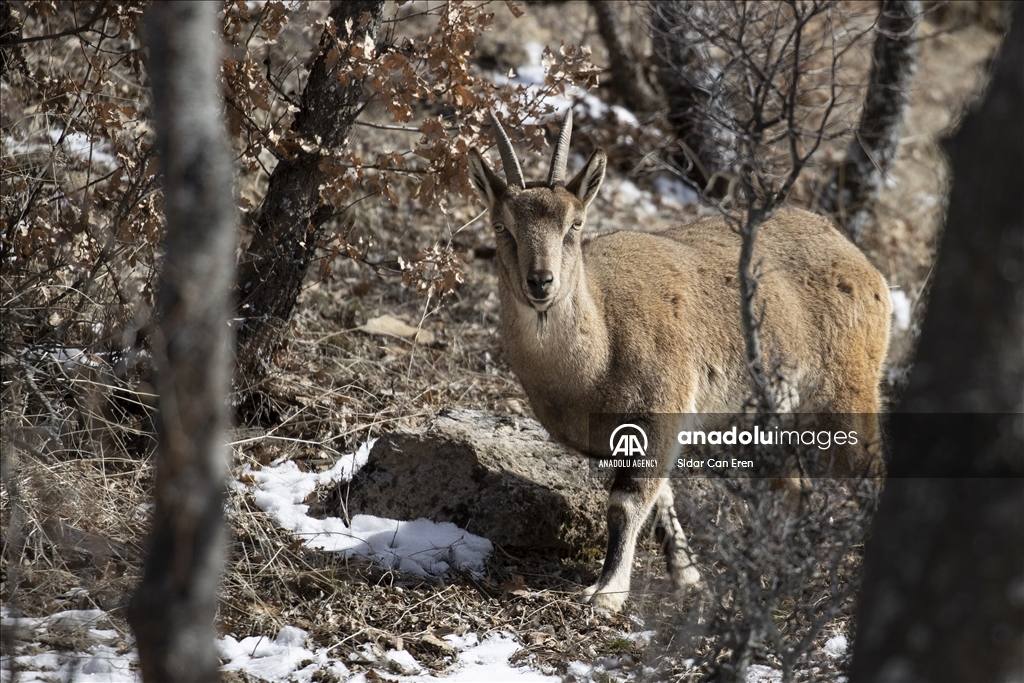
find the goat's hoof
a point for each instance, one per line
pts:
(688, 576)
(609, 600)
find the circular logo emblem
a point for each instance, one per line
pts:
(628, 440)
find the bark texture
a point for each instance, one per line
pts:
(173, 609)
(853, 188)
(942, 597)
(291, 220)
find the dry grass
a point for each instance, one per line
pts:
(78, 440)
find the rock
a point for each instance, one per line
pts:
(497, 476)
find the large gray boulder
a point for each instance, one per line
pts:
(498, 476)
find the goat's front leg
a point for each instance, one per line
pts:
(629, 503)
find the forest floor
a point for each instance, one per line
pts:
(339, 384)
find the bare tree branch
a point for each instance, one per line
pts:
(10, 39)
(757, 84)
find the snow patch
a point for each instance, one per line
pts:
(643, 637)
(285, 658)
(836, 646)
(401, 661)
(102, 662)
(625, 116)
(489, 661)
(901, 308)
(420, 547)
(759, 673)
(675, 192)
(627, 195)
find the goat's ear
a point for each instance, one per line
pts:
(588, 181)
(486, 181)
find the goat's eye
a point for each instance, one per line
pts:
(498, 227)
(577, 225)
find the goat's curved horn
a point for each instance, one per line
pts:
(556, 176)
(513, 171)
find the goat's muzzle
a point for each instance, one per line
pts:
(540, 284)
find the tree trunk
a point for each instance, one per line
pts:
(173, 609)
(628, 79)
(679, 75)
(942, 599)
(290, 223)
(853, 188)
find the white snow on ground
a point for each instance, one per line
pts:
(283, 659)
(102, 663)
(419, 547)
(626, 194)
(836, 646)
(759, 673)
(485, 661)
(79, 145)
(82, 147)
(901, 308)
(675, 191)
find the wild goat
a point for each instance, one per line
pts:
(649, 323)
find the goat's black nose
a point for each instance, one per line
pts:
(539, 282)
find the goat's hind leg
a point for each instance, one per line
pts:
(669, 532)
